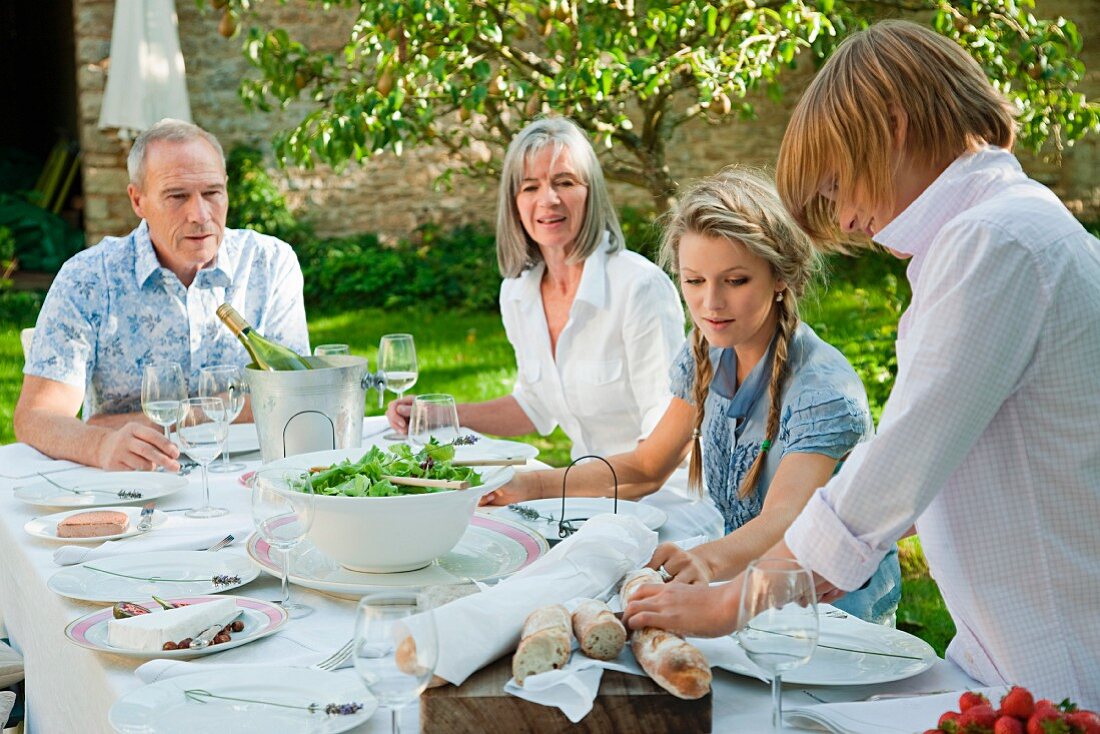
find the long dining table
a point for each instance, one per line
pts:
(71, 689)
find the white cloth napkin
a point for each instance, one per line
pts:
(294, 646)
(175, 534)
(20, 461)
(478, 629)
(890, 716)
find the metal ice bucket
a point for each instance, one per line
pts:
(300, 411)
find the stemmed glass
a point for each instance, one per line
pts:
(322, 350)
(282, 510)
(202, 430)
(395, 653)
(224, 381)
(162, 389)
(397, 364)
(778, 620)
(433, 416)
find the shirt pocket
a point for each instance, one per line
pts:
(596, 373)
(529, 371)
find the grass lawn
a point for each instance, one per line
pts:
(467, 355)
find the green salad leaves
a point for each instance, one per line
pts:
(364, 478)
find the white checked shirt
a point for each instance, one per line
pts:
(608, 384)
(990, 440)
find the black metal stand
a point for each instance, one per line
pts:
(565, 525)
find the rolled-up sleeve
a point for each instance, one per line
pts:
(823, 422)
(653, 332)
(972, 343)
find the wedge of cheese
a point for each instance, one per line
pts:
(149, 632)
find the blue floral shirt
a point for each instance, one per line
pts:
(113, 308)
(824, 411)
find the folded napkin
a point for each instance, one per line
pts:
(294, 646)
(176, 533)
(20, 461)
(889, 716)
(476, 630)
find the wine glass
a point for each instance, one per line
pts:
(397, 364)
(282, 510)
(202, 430)
(433, 416)
(224, 381)
(778, 620)
(395, 652)
(322, 350)
(162, 389)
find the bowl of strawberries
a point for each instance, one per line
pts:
(1019, 713)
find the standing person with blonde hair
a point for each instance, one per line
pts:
(766, 407)
(594, 326)
(989, 441)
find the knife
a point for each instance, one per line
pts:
(146, 521)
(204, 638)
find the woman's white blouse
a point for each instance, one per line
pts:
(608, 385)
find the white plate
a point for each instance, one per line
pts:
(46, 527)
(831, 667)
(491, 549)
(580, 508)
(260, 620)
(105, 486)
(162, 707)
(243, 438)
(80, 582)
(485, 448)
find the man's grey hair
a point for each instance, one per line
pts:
(170, 131)
(516, 251)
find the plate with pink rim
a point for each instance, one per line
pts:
(492, 548)
(260, 620)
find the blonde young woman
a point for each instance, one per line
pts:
(765, 406)
(990, 440)
(594, 326)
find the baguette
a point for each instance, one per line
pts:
(94, 524)
(545, 644)
(673, 663)
(600, 634)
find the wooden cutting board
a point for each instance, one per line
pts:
(626, 704)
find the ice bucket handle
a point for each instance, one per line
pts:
(375, 381)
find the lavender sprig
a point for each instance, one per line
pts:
(468, 440)
(330, 709)
(219, 580)
(530, 514)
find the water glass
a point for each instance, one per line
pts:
(226, 382)
(397, 365)
(433, 415)
(396, 648)
(282, 510)
(778, 624)
(202, 431)
(322, 350)
(162, 389)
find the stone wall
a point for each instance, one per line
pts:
(393, 195)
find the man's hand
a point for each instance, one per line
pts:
(397, 413)
(684, 566)
(524, 487)
(135, 446)
(687, 609)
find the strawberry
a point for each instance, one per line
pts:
(1083, 722)
(979, 718)
(1046, 721)
(949, 722)
(971, 698)
(1018, 702)
(1008, 725)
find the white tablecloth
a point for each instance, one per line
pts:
(70, 689)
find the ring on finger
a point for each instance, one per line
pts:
(664, 574)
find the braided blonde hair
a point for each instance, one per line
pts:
(742, 206)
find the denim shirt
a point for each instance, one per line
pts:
(113, 308)
(823, 410)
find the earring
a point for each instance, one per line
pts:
(779, 297)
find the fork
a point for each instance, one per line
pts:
(221, 543)
(336, 659)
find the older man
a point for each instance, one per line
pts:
(150, 297)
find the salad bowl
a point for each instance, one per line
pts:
(390, 534)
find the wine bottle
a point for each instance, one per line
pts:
(266, 354)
